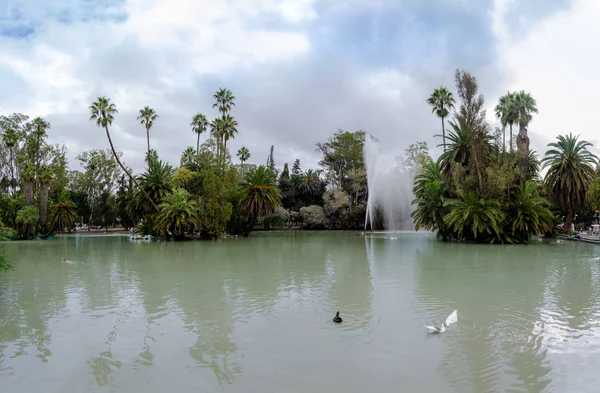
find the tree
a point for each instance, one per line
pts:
(504, 111)
(44, 177)
(65, 215)
(104, 111)
(244, 155)
(473, 212)
(10, 138)
(261, 195)
(296, 170)
(199, 125)
(228, 132)
(177, 212)
(147, 117)
(271, 160)
(570, 173)
(187, 156)
(40, 127)
(28, 180)
(224, 100)
(342, 153)
(415, 157)
(442, 101)
(528, 213)
(524, 105)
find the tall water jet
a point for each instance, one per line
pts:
(389, 189)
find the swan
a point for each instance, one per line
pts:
(452, 318)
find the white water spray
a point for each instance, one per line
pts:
(390, 189)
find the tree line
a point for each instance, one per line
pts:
(480, 191)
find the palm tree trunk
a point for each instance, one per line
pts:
(523, 150)
(568, 219)
(44, 188)
(198, 144)
(479, 179)
(148, 139)
(443, 134)
(126, 171)
(511, 144)
(28, 191)
(504, 138)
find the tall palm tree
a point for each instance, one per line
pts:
(104, 111)
(199, 125)
(503, 112)
(244, 155)
(224, 100)
(261, 195)
(570, 173)
(10, 138)
(40, 127)
(229, 130)
(524, 106)
(28, 180)
(44, 177)
(217, 129)
(147, 118)
(442, 101)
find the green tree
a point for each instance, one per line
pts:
(504, 111)
(40, 128)
(177, 213)
(65, 214)
(188, 156)
(103, 112)
(415, 157)
(528, 213)
(271, 159)
(475, 214)
(147, 117)
(10, 138)
(199, 125)
(261, 195)
(441, 101)
(342, 153)
(27, 219)
(570, 173)
(156, 185)
(28, 180)
(296, 169)
(45, 177)
(524, 106)
(244, 155)
(430, 192)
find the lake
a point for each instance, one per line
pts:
(255, 315)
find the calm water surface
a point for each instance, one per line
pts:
(254, 315)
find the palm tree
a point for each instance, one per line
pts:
(199, 125)
(528, 213)
(224, 100)
(430, 192)
(503, 112)
(28, 179)
(104, 111)
(570, 173)
(64, 215)
(10, 138)
(524, 105)
(147, 118)
(244, 155)
(310, 183)
(40, 126)
(475, 213)
(156, 184)
(261, 195)
(45, 177)
(442, 101)
(229, 130)
(187, 156)
(176, 213)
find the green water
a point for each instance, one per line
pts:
(254, 315)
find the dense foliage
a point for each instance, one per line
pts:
(480, 191)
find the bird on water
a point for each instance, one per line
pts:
(337, 318)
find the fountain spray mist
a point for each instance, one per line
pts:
(390, 189)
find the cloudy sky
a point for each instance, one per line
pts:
(300, 69)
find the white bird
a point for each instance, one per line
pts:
(452, 318)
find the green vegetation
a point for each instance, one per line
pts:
(478, 191)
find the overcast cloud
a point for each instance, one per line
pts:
(300, 69)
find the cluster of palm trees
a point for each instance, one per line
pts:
(479, 191)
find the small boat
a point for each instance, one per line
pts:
(589, 238)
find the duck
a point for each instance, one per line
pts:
(337, 318)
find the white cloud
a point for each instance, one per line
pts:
(557, 63)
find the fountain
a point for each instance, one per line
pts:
(390, 189)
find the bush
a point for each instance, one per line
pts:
(313, 217)
(8, 234)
